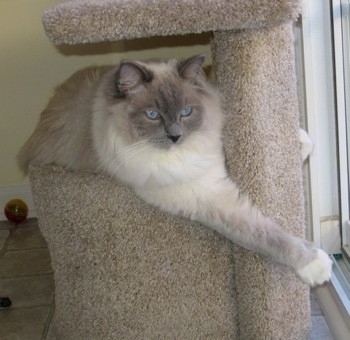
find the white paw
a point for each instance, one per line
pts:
(317, 271)
(306, 144)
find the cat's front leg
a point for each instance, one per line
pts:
(217, 203)
(233, 215)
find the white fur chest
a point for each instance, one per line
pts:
(158, 168)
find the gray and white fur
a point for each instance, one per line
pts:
(157, 125)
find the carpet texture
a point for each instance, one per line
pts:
(83, 21)
(123, 270)
(255, 71)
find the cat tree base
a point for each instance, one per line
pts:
(124, 270)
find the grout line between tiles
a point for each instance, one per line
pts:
(3, 250)
(26, 307)
(24, 276)
(24, 249)
(48, 322)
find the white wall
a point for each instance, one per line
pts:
(30, 66)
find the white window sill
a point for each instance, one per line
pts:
(336, 317)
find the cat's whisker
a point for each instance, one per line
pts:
(133, 146)
(128, 150)
(124, 151)
(132, 155)
(128, 153)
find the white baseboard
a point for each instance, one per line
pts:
(22, 192)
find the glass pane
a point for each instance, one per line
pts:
(345, 6)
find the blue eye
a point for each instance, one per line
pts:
(186, 111)
(152, 114)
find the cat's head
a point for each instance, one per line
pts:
(162, 101)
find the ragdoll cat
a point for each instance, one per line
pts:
(157, 125)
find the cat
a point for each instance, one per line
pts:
(157, 126)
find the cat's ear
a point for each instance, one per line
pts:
(191, 67)
(130, 76)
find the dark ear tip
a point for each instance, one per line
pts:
(192, 66)
(201, 57)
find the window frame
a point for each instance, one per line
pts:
(323, 103)
(341, 35)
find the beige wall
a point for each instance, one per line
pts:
(31, 66)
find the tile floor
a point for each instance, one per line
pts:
(27, 278)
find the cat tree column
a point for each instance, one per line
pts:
(124, 270)
(256, 76)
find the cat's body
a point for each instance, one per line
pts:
(157, 126)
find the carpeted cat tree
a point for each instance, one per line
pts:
(124, 270)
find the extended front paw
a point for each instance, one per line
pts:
(317, 271)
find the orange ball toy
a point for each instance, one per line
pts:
(16, 210)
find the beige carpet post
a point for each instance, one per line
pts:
(256, 75)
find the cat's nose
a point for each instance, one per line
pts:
(174, 138)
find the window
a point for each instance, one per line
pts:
(324, 69)
(341, 26)
(341, 46)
